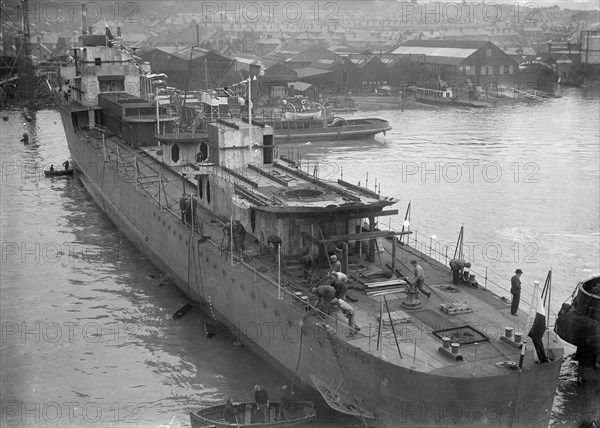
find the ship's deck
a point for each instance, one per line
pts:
(417, 344)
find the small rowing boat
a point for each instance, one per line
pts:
(298, 413)
(58, 173)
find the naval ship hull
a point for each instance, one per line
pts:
(398, 396)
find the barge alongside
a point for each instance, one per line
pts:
(184, 199)
(578, 323)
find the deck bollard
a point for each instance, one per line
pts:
(446, 341)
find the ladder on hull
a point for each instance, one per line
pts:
(336, 396)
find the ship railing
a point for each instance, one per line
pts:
(428, 245)
(332, 323)
(280, 286)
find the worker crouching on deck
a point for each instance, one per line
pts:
(339, 281)
(324, 294)
(348, 312)
(458, 269)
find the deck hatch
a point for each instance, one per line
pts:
(303, 193)
(465, 335)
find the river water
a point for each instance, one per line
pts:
(87, 334)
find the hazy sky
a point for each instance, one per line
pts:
(563, 4)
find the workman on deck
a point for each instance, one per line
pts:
(515, 291)
(308, 263)
(325, 294)
(458, 269)
(339, 281)
(274, 242)
(419, 278)
(184, 206)
(348, 312)
(336, 265)
(239, 236)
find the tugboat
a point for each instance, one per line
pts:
(579, 324)
(251, 237)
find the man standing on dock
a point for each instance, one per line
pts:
(515, 290)
(419, 278)
(458, 268)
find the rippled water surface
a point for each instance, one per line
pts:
(88, 337)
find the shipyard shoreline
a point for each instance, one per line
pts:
(174, 251)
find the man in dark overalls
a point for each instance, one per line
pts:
(515, 290)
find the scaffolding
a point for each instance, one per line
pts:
(16, 60)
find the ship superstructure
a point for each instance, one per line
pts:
(185, 199)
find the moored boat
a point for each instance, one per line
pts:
(288, 126)
(297, 413)
(304, 130)
(205, 207)
(58, 173)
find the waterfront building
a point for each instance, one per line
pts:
(461, 62)
(191, 68)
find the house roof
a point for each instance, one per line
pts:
(310, 72)
(300, 86)
(268, 41)
(287, 50)
(323, 63)
(279, 72)
(448, 52)
(197, 53)
(448, 56)
(312, 54)
(458, 44)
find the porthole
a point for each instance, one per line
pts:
(264, 304)
(253, 294)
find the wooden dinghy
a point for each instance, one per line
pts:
(298, 413)
(58, 173)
